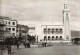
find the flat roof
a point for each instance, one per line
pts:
(52, 25)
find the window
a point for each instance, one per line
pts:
(56, 30)
(52, 31)
(13, 34)
(48, 30)
(44, 37)
(6, 22)
(13, 23)
(52, 37)
(13, 29)
(60, 30)
(17, 30)
(45, 31)
(60, 37)
(48, 37)
(56, 37)
(9, 28)
(9, 23)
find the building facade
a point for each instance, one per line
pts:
(3, 32)
(32, 31)
(57, 32)
(22, 30)
(11, 25)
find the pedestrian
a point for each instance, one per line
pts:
(45, 44)
(28, 45)
(25, 45)
(18, 45)
(9, 49)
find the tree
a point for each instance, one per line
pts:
(30, 38)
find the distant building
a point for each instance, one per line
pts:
(22, 30)
(57, 32)
(32, 31)
(11, 25)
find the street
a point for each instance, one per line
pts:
(54, 50)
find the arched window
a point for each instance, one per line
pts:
(45, 31)
(48, 37)
(56, 30)
(44, 37)
(48, 30)
(60, 30)
(60, 37)
(9, 28)
(9, 23)
(52, 30)
(13, 23)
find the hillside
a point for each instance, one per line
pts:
(75, 33)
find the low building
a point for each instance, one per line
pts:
(22, 30)
(52, 32)
(32, 31)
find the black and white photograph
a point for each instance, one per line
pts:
(39, 27)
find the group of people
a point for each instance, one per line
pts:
(27, 45)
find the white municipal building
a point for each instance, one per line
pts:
(57, 32)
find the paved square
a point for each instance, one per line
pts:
(54, 50)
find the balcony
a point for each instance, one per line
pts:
(2, 31)
(2, 25)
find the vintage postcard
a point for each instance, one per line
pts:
(39, 27)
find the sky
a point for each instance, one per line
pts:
(35, 12)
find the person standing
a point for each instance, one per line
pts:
(18, 45)
(9, 49)
(25, 44)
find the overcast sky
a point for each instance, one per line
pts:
(39, 11)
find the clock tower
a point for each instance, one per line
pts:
(66, 17)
